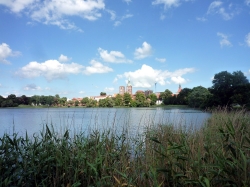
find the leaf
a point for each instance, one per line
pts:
(155, 140)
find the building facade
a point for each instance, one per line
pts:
(121, 90)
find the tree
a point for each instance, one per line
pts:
(77, 103)
(127, 99)
(224, 84)
(118, 100)
(63, 101)
(166, 96)
(198, 97)
(153, 99)
(24, 100)
(84, 101)
(140, 99)
(103, 93)
(91, 103)
(183, 96)
(107, 102)
(241, 95)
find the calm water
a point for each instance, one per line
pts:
(84, 120)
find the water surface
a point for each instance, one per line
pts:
(135, 120)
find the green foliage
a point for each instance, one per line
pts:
(103, 93)
(107, 102)
(85, 100)
(127, 99)
(140, 99)
(198, 97)
(118, 100)
(77, 103)
(225, 84)
(183, 96)
(91, 103)
(153, 99)
(166, 96)
(215, 155)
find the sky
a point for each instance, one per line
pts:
(79, 48)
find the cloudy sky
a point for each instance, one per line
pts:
(79, 48)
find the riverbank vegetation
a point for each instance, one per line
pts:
(228, 89)
(217, 154)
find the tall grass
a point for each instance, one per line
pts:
(216, 155)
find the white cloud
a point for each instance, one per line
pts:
(119, 22)
(247, 2)
(162, 60)
(81, 92)
(109, 89)
(167, 3)
(50, 69)
(112, 13)
(32, 87)
(248, 39)
(224, 40)
(216, 8)
(202, 19)
(63, 58)
(144, 51)
(5, 52)
(178, 80)
(146, 76)
(96, 67)
(56, 12)
(17, 6)
(113, 56)
(127, 1)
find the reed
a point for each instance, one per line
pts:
(218, 154)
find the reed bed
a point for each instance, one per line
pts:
(218, 154)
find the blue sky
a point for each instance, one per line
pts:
(79, 48)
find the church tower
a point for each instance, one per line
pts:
(129, 87)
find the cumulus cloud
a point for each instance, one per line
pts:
(143, 52)
(5, 52)
(32, 87)
(113, 56)
(96, 67)
(50, 69)
(17, 6)
(63, 58)
(178, 80)
(224, 40)
(56, 12)
(146, 76)
(216, 7)
(162, 60)
(167, 3)
(248, 39)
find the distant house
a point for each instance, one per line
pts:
(97, 98)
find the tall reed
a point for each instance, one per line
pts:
(218, 154)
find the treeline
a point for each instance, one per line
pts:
(36, 100)
(228, 89)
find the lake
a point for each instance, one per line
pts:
(135, 120)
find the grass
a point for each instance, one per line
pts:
(216, 155)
